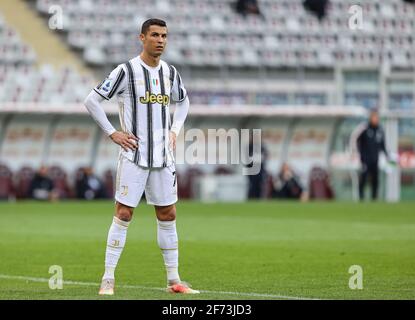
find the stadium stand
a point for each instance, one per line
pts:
(13, 50)
(199, 34)
(23, 80)
(105, 33)
(27, 83)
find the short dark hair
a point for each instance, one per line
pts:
(151, 22)
(373, 111)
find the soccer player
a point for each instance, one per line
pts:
(144, 86)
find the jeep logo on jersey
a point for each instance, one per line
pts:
(152, 98)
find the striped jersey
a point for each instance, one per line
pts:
(144, 94)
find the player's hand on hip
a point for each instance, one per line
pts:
(125, 140)
(173, 140)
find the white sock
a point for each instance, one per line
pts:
(115, 244)
(168, 243)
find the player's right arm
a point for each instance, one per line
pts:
(115, 83)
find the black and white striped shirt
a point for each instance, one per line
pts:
(144, 95)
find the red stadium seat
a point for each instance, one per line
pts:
(6, 183)
(23, 182)
(60, 182)
(186, 182)
(109, 186)
(320, 184)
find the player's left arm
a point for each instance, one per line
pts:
(180, 115)
(178, 96)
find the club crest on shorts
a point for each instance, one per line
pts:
(124, 190)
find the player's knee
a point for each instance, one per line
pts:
(167, 213)
(123, 212)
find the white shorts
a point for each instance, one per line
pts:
(159, 184)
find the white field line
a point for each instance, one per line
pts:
(94, 284)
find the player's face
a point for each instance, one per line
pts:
(155, 40)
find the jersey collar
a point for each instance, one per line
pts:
(147, 66)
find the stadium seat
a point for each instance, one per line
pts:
(319, 186)
(7, 190)
(60, 182)
(24, 179)
(186, 182)
(109, 186)
(95, 55)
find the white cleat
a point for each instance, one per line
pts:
(107, 287)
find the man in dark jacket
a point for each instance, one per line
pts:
(41, 187)
(256, 182)
(287, 184)
(89, 186)
(370, 142)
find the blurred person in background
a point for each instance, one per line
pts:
(41, 187)
(89, 186)
(287, 184)
(256, 182)
(370, 142)
(245, 7)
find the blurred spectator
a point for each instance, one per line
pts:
(89, 186)
(245, 7)
(287, 184)
(41, 187)
(257, 182)
(316, 7)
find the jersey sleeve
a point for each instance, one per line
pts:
(114, 83)
(178, 91)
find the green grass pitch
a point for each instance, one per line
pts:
(255, 250)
